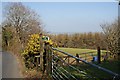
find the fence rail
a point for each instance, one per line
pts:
(114, 76)
(59, 69)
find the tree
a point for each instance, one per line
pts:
(112, 37)
(7, 33)
(23, 19)
(76, 39)
(118, 38)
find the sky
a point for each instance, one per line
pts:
(59, 0)
(73, 17)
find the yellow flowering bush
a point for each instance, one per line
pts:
(33, 46)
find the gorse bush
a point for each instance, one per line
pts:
(33, 46)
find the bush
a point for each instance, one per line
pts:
(33, 48)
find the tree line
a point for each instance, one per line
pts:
(80, 40)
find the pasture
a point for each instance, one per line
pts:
(73, 51)
(86, 54)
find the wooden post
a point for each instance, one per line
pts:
(41, 51)
(68, 60)
(77, 61)
(85, 56)
(37, 57)
(48, 60)
(41, 60)
(44, 58)
(98, 55)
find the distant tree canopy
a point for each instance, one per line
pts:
(80, 40)
(19, 22)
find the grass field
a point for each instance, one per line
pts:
(73, 51)
(86, 54)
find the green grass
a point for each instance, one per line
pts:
(73, 51)
(99, 74)
(112, 65)
(89, 70)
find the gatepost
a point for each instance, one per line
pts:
(98, 55)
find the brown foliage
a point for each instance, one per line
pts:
(80, 40)
(112, 36)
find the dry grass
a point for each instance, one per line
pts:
(27, 73)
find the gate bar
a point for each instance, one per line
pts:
(94, 65)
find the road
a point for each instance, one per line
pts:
(9, 66)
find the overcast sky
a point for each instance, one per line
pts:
(66, 17)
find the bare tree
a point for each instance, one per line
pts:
(118, 28)
(23, 19)
(112, 36)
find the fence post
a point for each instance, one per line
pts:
(98, 55)
(77, 61)
(41, 51)
(48, 60)
(85, 56)
(41, 60)
(68, 60)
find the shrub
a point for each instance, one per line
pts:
(33, 48)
